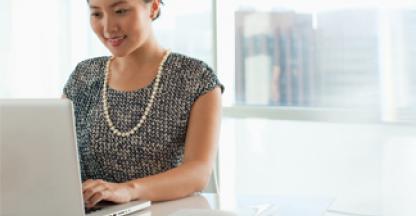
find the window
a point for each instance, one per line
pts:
(336, 56)
(313, 90)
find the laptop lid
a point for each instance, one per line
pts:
(39, 163)
(38, 158)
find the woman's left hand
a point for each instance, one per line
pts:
(98, 190)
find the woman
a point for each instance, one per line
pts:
(147, 119)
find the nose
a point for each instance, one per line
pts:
(110, 26)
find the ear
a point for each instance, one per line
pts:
(155, 7)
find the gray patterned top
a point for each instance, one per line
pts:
(159, 144)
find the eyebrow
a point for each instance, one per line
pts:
(116, 2)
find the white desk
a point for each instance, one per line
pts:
(202, 205)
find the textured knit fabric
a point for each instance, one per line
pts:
(159, 144)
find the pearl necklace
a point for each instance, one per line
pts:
(148, 107)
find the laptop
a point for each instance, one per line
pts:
(40, 172)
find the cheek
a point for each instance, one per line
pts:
(134, 26)
(140, 22)
(95, 27)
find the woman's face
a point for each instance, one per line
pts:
(122, 25)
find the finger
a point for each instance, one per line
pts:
(97, 197)
(90, 192)
(90, 183)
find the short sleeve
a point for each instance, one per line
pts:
(206, 80)
(72, 84)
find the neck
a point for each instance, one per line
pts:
(144, 57)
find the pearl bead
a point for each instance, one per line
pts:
(155, 90)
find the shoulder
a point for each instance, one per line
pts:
(91, 69)
(197, 75)
(189, 66)
(85, 74)
(93, 62)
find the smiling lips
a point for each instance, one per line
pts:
(116, 41)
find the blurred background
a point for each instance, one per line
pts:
(320, 99)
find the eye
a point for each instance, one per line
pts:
(95, 14)
(121, 11)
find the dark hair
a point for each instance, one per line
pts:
(147, 1)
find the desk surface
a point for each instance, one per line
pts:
(212, 205)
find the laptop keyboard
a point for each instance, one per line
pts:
(93, 209)
(99, 206)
